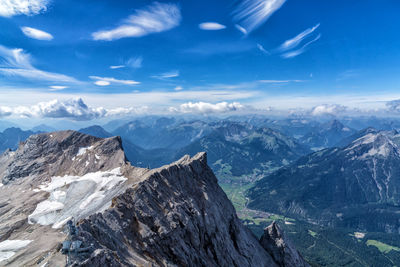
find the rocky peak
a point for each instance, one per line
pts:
(280, 248)
(176, 216)
(61, 153)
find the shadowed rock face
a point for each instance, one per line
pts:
(176, 215)
(280, 248)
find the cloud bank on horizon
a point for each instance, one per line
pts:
(183, 57)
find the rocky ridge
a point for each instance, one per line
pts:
(176, 215)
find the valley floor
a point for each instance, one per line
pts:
(320, 246)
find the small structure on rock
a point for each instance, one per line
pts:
(72, 247)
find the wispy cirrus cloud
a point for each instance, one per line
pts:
(105, 81)
(251, 14)
(262, 49)
(74, 109)
(167, 75)
(16, 62)
(295, 53)
(295, 41)
(37, 34)
(211, 26)
(155, 18)
(280, 81)
(207, 108)
(133, 62)
(290, 47)
(9, 8)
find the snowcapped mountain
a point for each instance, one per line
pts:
(176, 215)
(356, 186)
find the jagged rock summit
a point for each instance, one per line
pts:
(280, 248)
(176, 215)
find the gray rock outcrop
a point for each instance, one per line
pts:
(281, 248)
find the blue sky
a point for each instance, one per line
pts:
(190, 56)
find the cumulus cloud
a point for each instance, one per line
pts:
(74, 109)
(154, 18)
(37, 34)
(5, 112)
(394, 105)
(9, 8)
(206, 108)
(325, 109)
(251, 14)
(211, 26)
(178, 88)
(16, 62)
(105, 81)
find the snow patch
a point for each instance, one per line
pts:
(96, 156)
(9, 247)
(83, 150)
(77, 197)
(382, 150)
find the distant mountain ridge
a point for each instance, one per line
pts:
(356, 186)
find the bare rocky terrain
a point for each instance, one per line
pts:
(176, 215)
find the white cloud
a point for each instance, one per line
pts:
(105, 81)
(117, 67)
(295, 41)
(9, 8)
(102, 83)
(251, 14)
(328, 109)
(36, 34)
(5, 112)
(178, 88)
(295, 53)
(394, 105)
(16, 62)
(154, 18)
(262, 49)
(280, 81)
(206, 108)
(134, 62)
(57, 87)
(167, 75)
(211, 26)
(74, 109)
(241, 29)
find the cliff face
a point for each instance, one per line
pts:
(176, 215)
